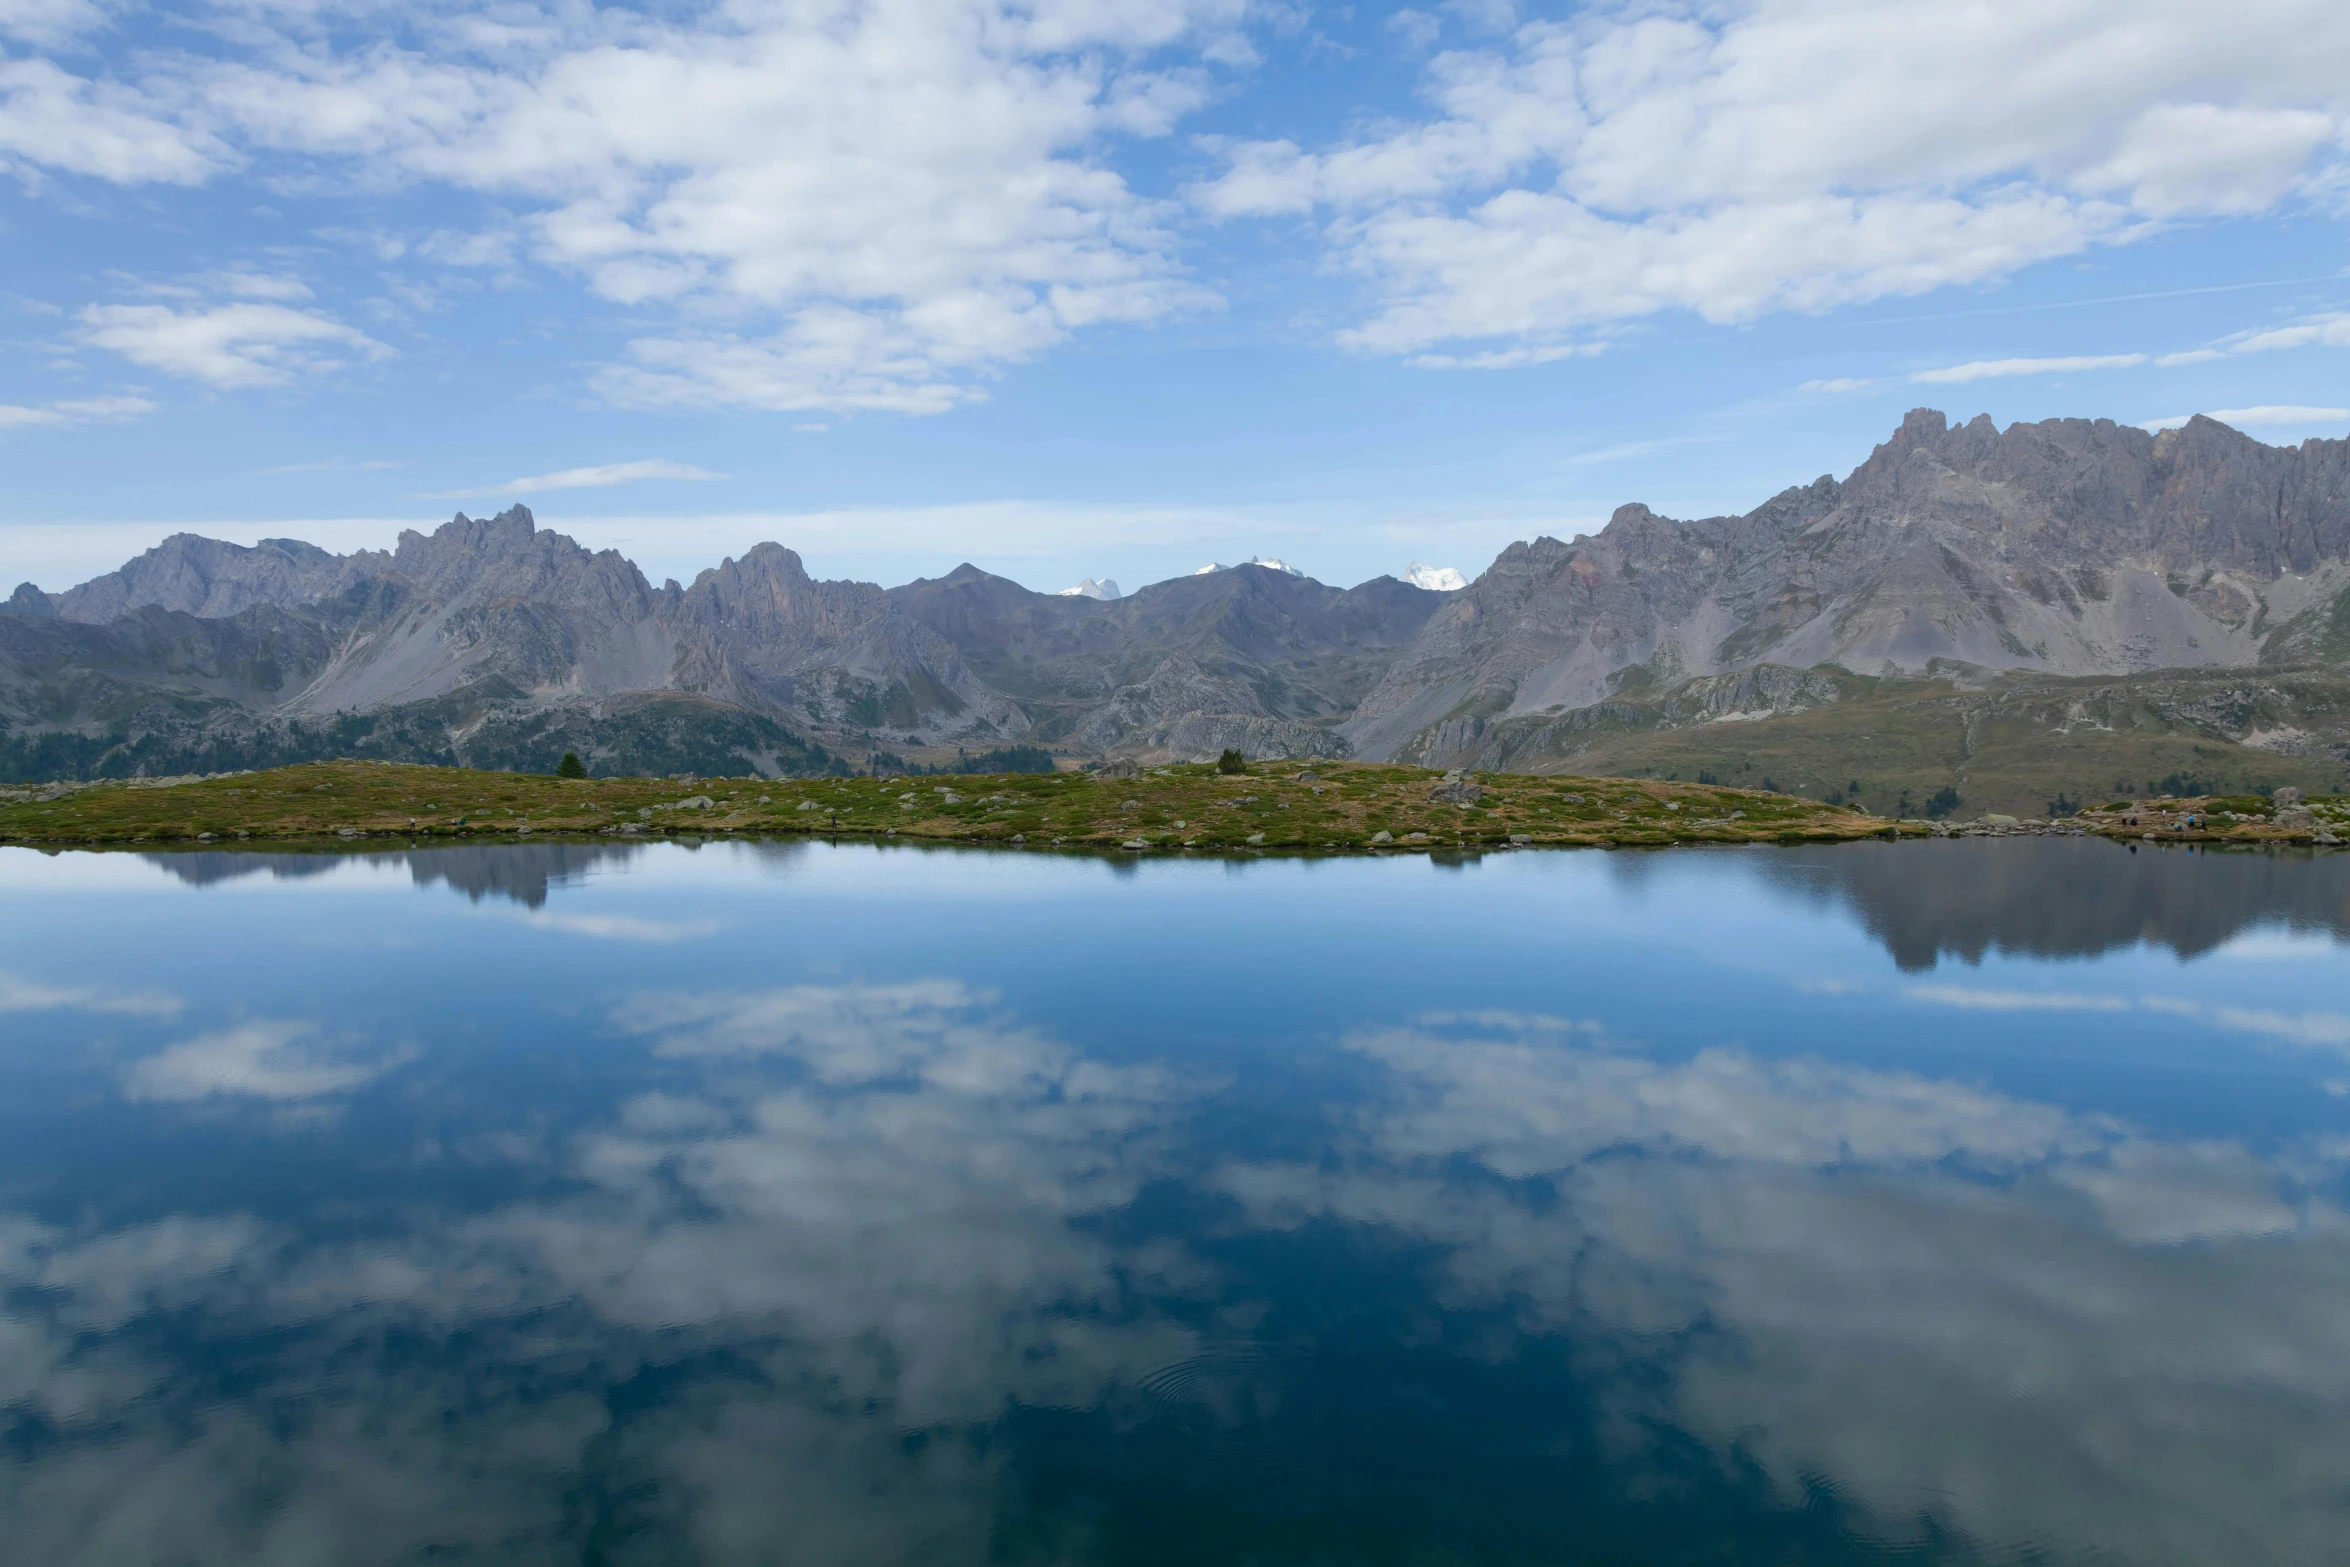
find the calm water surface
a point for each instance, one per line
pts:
(1963, 1202)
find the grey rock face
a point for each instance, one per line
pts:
(1263, 657)
(207, 578)
(2071, 546)
(30, 602)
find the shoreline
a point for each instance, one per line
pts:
(1288, 807)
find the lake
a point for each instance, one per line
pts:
(1979, 1201)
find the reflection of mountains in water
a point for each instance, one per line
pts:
(2065, 897)
(520, 871)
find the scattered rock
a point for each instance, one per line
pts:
(1383, 836)
(1136, 843)
(807, 805)
(1456, 790)
(1520, 840)
(1309, 776)
(1121, 767)
(2287, 797)
(1256, 837)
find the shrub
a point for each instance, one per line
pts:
(1231, 762)
(1942, 801)
(571, 766)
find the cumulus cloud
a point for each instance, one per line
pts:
(850, 204)
(49, 22)
(1799, 154)
(55, 122)
(231, 346)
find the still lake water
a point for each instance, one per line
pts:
(1957, 1202)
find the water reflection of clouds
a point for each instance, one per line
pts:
(2042, 1328)
(2315, 1030)
(280, 1059)
(853, 1218)
(851, 1213)
(623, 927)
(18, 994)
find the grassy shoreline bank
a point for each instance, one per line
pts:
(1330, 807)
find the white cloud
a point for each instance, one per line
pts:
(275, 1059)
(49, 22)
(2328, 330)
(2267, 415)
(1798, 154)
(50, 120)
(1988, 369)
(1842, 383)
(1417, 30)
(858, 204)
(596, 477)
(231, 346)
(1506, 358)
(71, 412)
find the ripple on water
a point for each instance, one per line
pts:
(1245, 1403)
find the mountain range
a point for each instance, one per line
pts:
(1957, 566)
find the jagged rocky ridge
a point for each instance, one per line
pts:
(2066, 547)
(490, 641)
(1970, 554)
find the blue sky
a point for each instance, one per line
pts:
(1117, 287)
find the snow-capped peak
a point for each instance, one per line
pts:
(1255, 560)
(1436, 579)
(1105, 588)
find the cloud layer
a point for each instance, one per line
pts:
(1800, 154)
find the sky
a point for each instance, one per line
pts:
(1116, 288)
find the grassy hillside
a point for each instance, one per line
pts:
(2024, 746)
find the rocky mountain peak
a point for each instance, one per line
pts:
(207, 577)
(30, 601)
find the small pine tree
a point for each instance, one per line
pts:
(1232, 762)
(571, 766)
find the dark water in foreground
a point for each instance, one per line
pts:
(1964, 1202)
